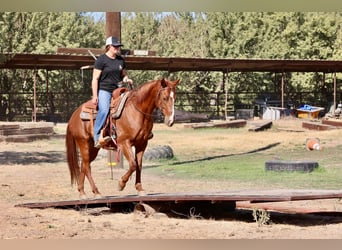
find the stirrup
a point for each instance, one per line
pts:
(97, 145)
(103, 140)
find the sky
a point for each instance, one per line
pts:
(98, 16)
(101, 16)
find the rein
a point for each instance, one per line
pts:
(146, 114)
(142, 112)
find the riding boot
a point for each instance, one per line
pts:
(150, 136)
(102, 140)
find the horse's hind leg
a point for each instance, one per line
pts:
(92, 183)
(81, 183)
(86, 172)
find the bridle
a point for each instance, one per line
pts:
(156, 99)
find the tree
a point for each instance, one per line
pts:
(281, 35)
(43, 32)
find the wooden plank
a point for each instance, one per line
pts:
(316, 126)
(226, 124)
(28, 131)
(334, 123)
(26, 138)
(185, 116)
(213, 197)
(9, 126)
(280, 207)
(291, 130)
(232, 124)
(261, 126)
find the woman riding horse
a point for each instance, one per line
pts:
(133, 129)
(109, 71)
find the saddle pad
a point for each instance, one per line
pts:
(120, 103)
(86, 116)
(88, 111)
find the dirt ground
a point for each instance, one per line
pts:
(37, 171)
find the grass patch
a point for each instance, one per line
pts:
(250, 168)
(238, 156)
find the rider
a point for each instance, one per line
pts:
(109, 72)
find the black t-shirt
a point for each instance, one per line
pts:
(111, 71)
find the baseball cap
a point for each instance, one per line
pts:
(112, 40)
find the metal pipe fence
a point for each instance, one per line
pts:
(58, 107)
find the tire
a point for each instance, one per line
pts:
(160, 152)
(290, 166)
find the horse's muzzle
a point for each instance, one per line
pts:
(169, 121)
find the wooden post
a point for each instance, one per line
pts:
(113, 24)
(114, 161)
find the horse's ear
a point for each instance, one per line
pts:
(173, 84)
(163, 83)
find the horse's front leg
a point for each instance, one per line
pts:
(129, 153)
(138, 185)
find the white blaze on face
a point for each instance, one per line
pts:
(172, 97)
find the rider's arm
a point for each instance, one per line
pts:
(126, 79)
(95, 85)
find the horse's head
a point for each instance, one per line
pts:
(166, 100)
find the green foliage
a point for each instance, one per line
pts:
(281, 35)
(44, 32)
(261, 217)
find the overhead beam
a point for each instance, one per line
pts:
(97, 52)
(170, 64)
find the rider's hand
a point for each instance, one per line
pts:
(128, 81)
(94, 100)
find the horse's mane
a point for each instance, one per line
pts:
(143, 91)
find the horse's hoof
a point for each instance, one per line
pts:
(142, 193)
(121, 185)
(83, 197)
(138, 187)
(98, 196)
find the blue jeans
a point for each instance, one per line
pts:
(103, 104)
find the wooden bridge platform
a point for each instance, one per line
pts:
(205, 203)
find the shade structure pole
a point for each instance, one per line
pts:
(226, 91)
(282, 90)
(113, 24)
(334, 93)
(35, 96)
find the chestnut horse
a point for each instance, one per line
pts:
(133, 129)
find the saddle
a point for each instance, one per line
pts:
(89, 113)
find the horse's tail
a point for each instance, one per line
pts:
(72, 156)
